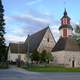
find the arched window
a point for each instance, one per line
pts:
(47, 39)
(65, 21)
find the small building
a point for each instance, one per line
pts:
(66, 51)
(16, 51)
(41, 40)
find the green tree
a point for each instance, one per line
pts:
(77, 33)
(2, 32)
(49, 57)
(43, 56)
(35, 56)
(46, 56)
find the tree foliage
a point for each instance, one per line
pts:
(77, 33)
(46, 56)
(77, 29)
(2, 32)
(43, 57)
(35, 56)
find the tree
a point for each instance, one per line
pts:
(46, 56)
(77, 29)
(2, 32)
(49, 57)
(35, 56)
(77, 33)
(43, 56)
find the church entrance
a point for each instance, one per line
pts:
(73, 63)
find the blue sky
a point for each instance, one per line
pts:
(23, 17)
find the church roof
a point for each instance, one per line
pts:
(66, 26)
(17, 48)
(35, 39)
(67, 44)
(65, 15)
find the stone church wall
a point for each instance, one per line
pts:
(67, 58)
(58, 57)
(71, 56)
(47, 42)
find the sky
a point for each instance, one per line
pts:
(23, 17)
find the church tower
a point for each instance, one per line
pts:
(65, 28)
(66, 50)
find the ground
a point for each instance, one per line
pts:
(14, 73)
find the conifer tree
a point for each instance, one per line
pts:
(2, 32)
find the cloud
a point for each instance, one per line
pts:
(31, 19)
(55, 31)
(27, 24)
(33, 2)
(32, 23)
(14, 38)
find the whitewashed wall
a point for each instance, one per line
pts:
(58, 57)
(69, 32)
(66, 58)
(70, 56)
(14, 56)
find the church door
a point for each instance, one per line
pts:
(73, 63)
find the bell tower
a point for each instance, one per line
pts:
(65, 28)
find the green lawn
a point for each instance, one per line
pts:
(52, 69)
(4, 66)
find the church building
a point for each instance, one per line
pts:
(66, 51)
(41, 40)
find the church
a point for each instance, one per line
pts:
(66, 51)
(41, 40)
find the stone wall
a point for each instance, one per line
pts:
(58, 57)
(47, 42)
(67, 58)
(14, 56)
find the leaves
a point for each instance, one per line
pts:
(77, 30)
(77, 34)
(43, 57)
(46, 56)
(35, 56)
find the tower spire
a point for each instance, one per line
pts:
(65, 12)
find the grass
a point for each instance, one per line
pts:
(51, 69)
(3, 66)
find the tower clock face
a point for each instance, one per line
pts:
(65, 21)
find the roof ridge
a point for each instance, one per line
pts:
(39, 31)
(36, 37)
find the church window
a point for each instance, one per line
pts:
(47, 39)
(65, 32)
(64, 20)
